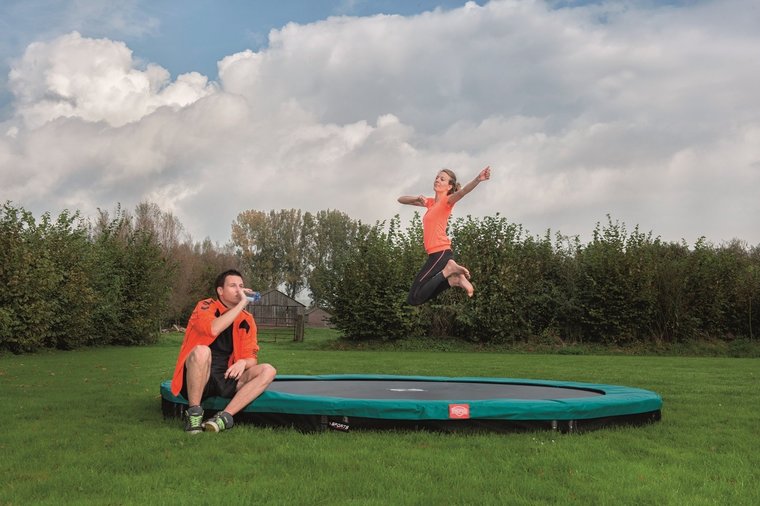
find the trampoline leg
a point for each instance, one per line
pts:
(172, 409)
(565, 426)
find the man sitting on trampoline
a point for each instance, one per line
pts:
(218, 357)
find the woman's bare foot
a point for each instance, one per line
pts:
(452, 268)
(462, 282)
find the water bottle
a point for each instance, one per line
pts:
(253, 297)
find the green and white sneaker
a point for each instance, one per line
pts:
(193, 420)
(219, 422)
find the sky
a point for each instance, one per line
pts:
(644, 111)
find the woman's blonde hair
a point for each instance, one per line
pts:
(453, 181)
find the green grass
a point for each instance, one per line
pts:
(85, 427)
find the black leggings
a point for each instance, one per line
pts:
(430, 281)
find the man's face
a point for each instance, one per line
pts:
(231, 292)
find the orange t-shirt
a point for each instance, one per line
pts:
(244, 343)
(434, 225)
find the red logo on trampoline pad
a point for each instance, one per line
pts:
(460, 411)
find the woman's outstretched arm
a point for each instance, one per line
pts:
(419, 200)
(484, 175)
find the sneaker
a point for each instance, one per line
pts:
(193, 419)
(219, 422)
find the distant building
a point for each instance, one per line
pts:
(276, 309)
(318, 317)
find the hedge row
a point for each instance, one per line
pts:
(66, 284)
(619, 288)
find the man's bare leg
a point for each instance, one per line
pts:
(198, 370)
(251, 384)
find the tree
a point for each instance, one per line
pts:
(256, 242)
(166, 228)
(274, 248)
(29, 278)
(69, 250)
(132, 280)
(490, 250)
(330, 239)
(370, 302)
(291, 251)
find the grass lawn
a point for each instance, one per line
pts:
(85, 427)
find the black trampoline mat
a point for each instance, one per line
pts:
(426, 390)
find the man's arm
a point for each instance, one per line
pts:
(222, 322)
(235, 370)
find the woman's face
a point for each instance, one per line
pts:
(442, 183)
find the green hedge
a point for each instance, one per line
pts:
(618, 289)
(67, 285)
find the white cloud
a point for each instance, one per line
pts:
(95, 80)
(648, 114)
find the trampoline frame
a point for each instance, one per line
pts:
(608, 405)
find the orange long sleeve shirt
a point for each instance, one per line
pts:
(244, 342)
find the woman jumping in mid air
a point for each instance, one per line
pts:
(440, 270)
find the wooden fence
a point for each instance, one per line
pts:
(275, 321)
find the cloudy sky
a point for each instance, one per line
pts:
(647, 111)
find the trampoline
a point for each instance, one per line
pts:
(344, 402)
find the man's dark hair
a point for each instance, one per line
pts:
(221, 278)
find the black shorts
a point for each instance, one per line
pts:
(217, 385)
